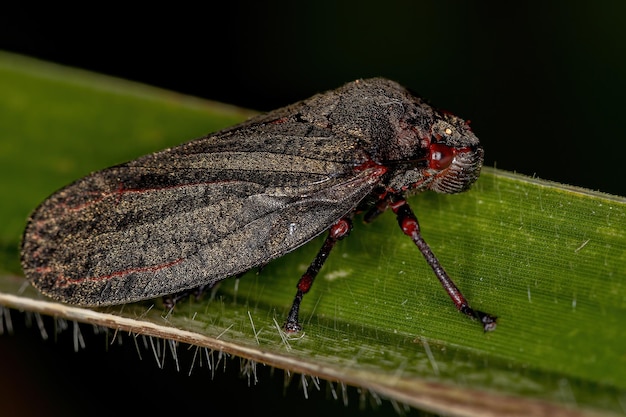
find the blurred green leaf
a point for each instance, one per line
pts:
(548, 259)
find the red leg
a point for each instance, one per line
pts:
(338, 231)
(410, 226)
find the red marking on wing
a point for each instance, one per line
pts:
(278, 121)
(120, 192)
(378, 170)
(64, 282)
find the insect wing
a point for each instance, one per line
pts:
(185, 217)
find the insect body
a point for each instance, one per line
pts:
(220, 205)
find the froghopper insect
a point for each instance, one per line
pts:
(217, 206)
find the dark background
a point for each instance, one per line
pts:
(543, 84)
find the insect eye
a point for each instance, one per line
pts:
(439, 136)
(440, 156)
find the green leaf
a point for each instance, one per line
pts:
(549, 260)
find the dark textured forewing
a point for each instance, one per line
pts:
(190, 215)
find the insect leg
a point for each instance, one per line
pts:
(379, 208)
(170, 300)
(337, 231)
(410, 226)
